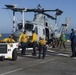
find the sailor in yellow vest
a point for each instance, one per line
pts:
(23, 39)
(42, 46)
(9, 39)
(34, 42)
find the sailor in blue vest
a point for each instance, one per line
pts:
(73, 36)
(71, 39)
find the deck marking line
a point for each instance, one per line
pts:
(27, 67)
(62, 54)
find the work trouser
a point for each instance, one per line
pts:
(44, 48)
(24, 45)
(62, 43)
(74, 49)
(34, 47)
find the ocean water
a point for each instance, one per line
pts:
(4, 35)
(67, 36)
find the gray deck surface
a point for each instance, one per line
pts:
(57, 62)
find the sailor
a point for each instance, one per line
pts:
(42, 46)
(73, 38)
(63, 40)
(34, 42)
(23, 39)
(9, 39)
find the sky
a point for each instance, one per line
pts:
(67, 6)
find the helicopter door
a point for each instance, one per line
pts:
(47, 34)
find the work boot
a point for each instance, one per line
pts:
(33, 54)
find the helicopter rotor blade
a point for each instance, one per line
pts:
(31, 10)
(48, 10)
(49, 16)
(39, 10)
(34, 10)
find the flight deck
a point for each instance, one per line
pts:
(56, 62)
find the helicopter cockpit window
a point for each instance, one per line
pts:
(20, 26)
(29, 27)
(46, 24)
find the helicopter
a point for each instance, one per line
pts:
(40, 24)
